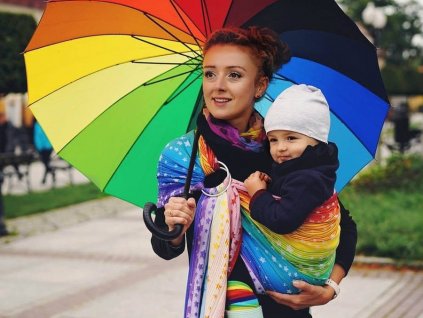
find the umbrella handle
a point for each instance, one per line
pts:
(154, 229)
(151, 207)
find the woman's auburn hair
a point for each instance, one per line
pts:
(264, 43)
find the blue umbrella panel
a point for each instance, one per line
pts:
(331, 53)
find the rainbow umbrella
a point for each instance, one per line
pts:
(111, 82)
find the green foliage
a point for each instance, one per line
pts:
(15, 33)
(386, 202)
(389, 222)
(403, 23)
(36, 202)
(402, 80)
(399, 172)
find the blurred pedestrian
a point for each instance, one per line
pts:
(11, 141)
(6, 134)
(3, 144)
(3, 228)
(43, 147)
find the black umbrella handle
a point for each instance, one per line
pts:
(151, 207)
(162, 234)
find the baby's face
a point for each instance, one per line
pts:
(286, 145)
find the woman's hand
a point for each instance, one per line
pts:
(256, 181)
(179, 211)
(310, 296)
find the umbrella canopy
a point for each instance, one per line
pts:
(111, 82)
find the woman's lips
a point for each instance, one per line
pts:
(221, 100)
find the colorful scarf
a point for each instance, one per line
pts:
(223, 229)
(251, 140)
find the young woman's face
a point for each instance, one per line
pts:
(286, 145)
(231, 82)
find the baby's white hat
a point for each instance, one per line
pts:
(300, 108)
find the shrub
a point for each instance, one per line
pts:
(389, 222)
(400, 171)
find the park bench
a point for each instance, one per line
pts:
(16, 166)
(58, 164)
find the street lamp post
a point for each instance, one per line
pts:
(374, 17)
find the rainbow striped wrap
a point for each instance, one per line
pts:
(224, 230)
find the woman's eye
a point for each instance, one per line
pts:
(234, 75)
(208, 74)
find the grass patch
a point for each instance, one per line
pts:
(389, 222)
(36, 202)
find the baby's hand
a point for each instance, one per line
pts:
(256, 181)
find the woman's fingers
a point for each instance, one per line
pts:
(192, 204)
(181, 204)
(179, 211)
(178, 217)
(310, 295)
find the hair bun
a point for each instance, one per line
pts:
(264, 42)
(273, 51)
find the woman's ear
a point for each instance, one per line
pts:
(262, 85)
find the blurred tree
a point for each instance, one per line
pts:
(15, 33)
(402, 80)
(403, 23)
(402, 57)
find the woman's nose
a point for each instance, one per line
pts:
(220, 83)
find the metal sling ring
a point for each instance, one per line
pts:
(228, 175)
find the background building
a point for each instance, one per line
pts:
(32, 7)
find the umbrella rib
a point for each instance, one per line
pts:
(283, 77)
(227, 13)
(165, 63)
(354, 134)
(162, 47)
(181, 91)
(268, 97)
(168, 78)
(171, 34)
(185, 24)
(279, 77)
(207, 23)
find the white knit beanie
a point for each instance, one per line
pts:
(300, 108)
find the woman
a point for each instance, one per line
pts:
(237, 67)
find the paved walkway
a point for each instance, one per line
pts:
(94, 260)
